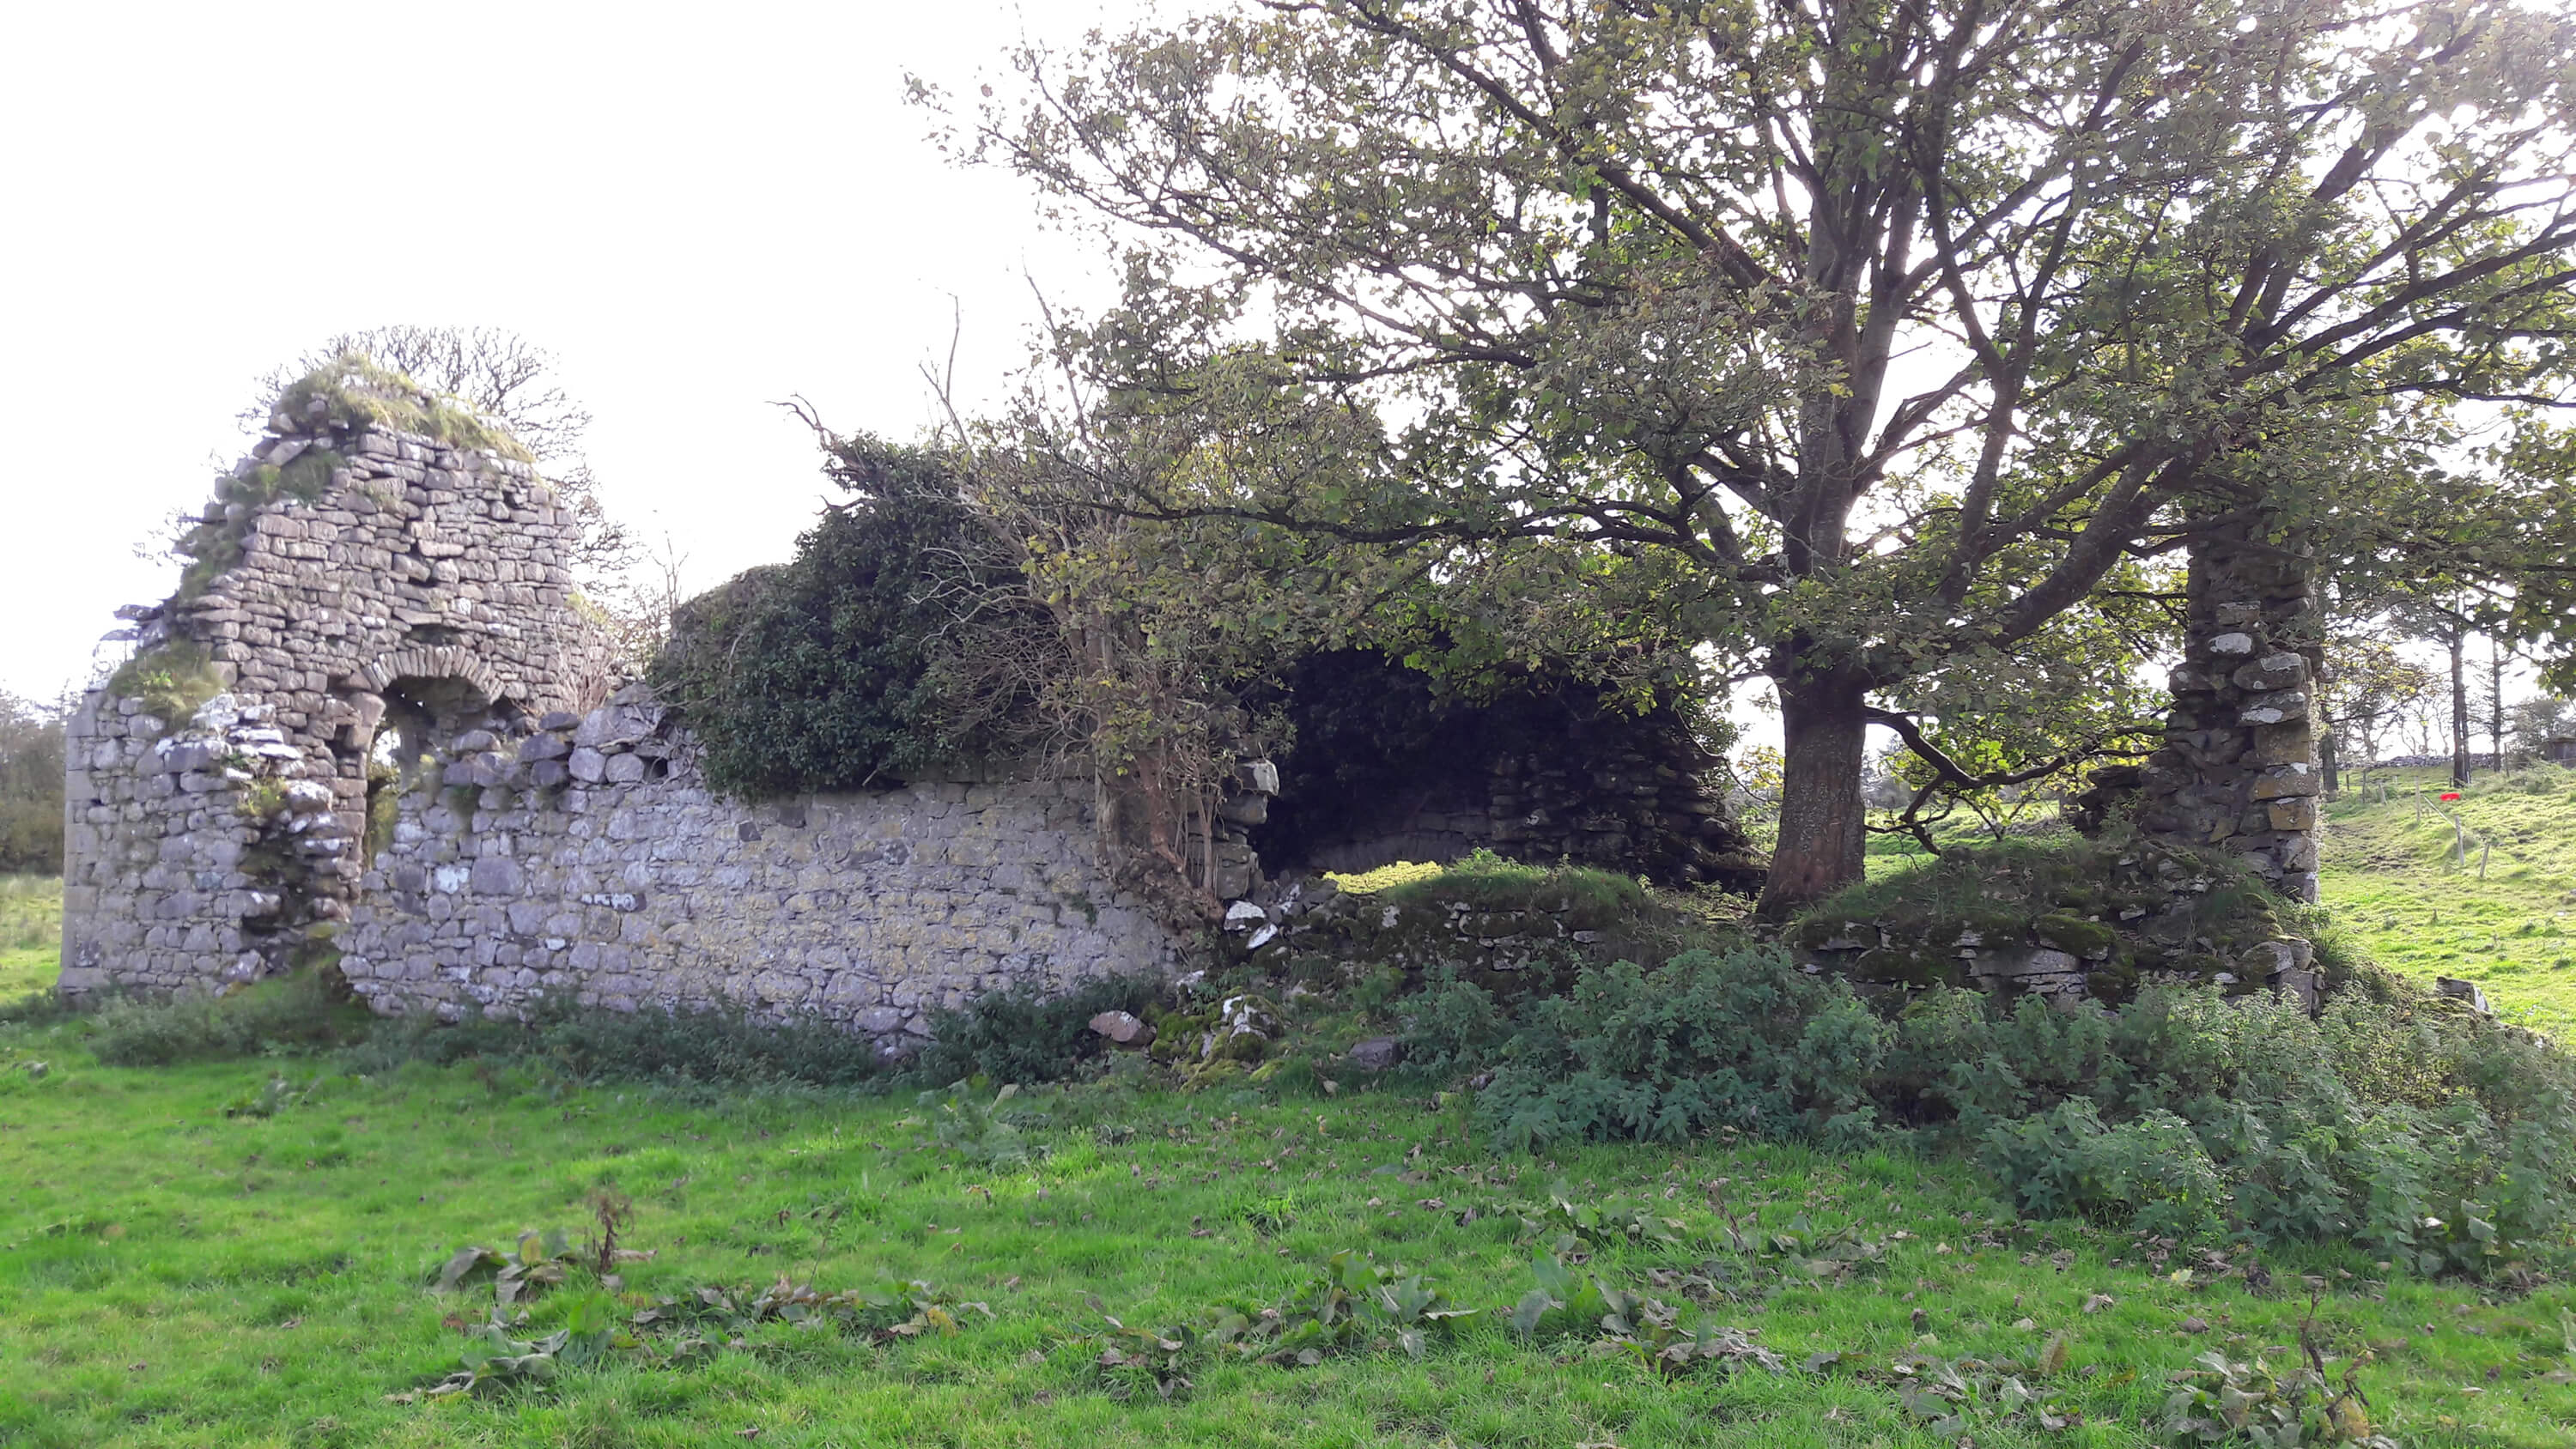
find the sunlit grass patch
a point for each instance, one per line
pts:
(2394, 876)
(31, 924)
(1396, 873)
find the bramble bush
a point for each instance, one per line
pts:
(1706, 1041)
(2430, 1136)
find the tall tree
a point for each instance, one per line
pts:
(2366, 689)
(1897, 326)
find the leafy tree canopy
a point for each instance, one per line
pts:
(1877, 337)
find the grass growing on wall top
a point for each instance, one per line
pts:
(171, 678)
(353, 392)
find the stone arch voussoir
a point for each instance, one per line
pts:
(432, 661)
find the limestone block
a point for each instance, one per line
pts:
(497, 875)
(2292, 814)
(2274, 708)
(2287, 781)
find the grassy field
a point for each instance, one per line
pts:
(2393, 876)
(176, 1275)
(31, 931)
(243, 1253)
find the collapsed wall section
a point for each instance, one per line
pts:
(352, 582)
(586, 856)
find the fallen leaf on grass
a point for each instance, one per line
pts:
(2052, 1356)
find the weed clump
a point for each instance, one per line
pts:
(2432, 1137)
(171, 679)
(722, 1044)
(307, 1011)
(1706, 1042)
(1022, 1034)
(1014, 1035)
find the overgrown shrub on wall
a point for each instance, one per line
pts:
(826, 672)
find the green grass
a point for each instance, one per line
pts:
(2392, 875)
(173, 1275)
(31, 934)
(176, 1276)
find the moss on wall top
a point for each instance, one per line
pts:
(353, 393)
(171, 679)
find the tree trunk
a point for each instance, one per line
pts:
(2495, 701)
(1823, 820)
(2329, 758)
(2459, 710)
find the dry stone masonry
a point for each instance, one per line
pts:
(420, 581)
(584, 855)
(374, 725)
(2239, 771)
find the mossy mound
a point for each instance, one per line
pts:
(2115, 910)
(1514, 929)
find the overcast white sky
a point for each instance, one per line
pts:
(699, 212)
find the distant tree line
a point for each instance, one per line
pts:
(31, 786)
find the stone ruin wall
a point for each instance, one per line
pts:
(211, 847)
(585, 854)
(530, 835)
(2238, 772)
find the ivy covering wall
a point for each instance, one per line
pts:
(825, 672)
